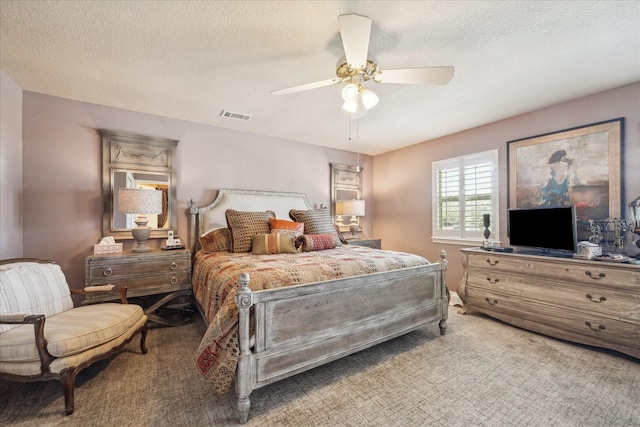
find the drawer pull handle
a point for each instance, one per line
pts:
(599, 300)
(593, 276)
(494, 302)
(174, 266)
(492, 281)
(492, 262)
(174, 280)
(599, 328)
(108, 272)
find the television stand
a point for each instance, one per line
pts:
(588, 302)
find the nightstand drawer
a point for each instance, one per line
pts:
(153, 283)
(147, 273)
(114, 270)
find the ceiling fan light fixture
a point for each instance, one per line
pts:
(369, 99)
(351, 106)
(350, 92)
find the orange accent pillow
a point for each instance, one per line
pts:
(284, 224)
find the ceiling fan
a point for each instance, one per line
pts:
(358, 66)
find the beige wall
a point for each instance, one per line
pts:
(402, 178)
(60, 185)
(10, 168)
(63, 171)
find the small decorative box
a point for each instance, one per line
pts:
(588, 250)
(113, 248)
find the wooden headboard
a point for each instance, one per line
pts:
(213, 215)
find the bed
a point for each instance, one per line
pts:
(273, 315)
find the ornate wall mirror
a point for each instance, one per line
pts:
(345, 186)
(137, 161)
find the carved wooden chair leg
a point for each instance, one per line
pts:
(143, 338)
(68, 380)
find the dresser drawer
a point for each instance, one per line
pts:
(588, 328)
(569, 270)
(606, 302)
(114, 270)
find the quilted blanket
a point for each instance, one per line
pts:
(215, 280)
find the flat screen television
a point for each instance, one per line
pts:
(544, 229)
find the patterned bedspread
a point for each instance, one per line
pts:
(215, 280)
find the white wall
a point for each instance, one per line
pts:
(11, 244)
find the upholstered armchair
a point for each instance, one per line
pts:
(44, 337)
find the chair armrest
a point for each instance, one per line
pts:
(103, 288)
(20, 319)
(37, 320)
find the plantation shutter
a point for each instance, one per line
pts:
(465, 189)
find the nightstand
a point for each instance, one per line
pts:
(370, 243)
(147, 273)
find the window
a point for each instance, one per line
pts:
(465, 189)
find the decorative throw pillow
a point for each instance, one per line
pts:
(284, 224)
(244, 225)
(216, 240)
(273, 243)
(315, 242)
(316, 221)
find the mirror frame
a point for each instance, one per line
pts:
(344, 178)
(128, 152)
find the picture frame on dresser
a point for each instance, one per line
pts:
(580, 166)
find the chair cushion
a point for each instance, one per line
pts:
(33, 288)
(71, 362)
(72, 331)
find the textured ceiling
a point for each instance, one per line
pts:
(191, 59)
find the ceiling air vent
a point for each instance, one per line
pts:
(232, 115)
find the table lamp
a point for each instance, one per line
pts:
(140, 202)
(353, 208)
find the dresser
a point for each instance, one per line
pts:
(588, 302)
(147, 273)
(370, 243)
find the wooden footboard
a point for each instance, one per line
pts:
(300, 327)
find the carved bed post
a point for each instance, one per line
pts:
(243, 374)
(445, 292)
(192, 231)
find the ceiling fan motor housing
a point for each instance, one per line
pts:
(345, 71)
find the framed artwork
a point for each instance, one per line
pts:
(580, 166)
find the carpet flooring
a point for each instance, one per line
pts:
(481, 373)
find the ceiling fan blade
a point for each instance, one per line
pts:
(355, 31)
(428, 75)
(307, 86)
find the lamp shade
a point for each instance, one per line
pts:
(369, 99)
(351, 106)
(350, 92)
(353, 207)
(139, 201)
